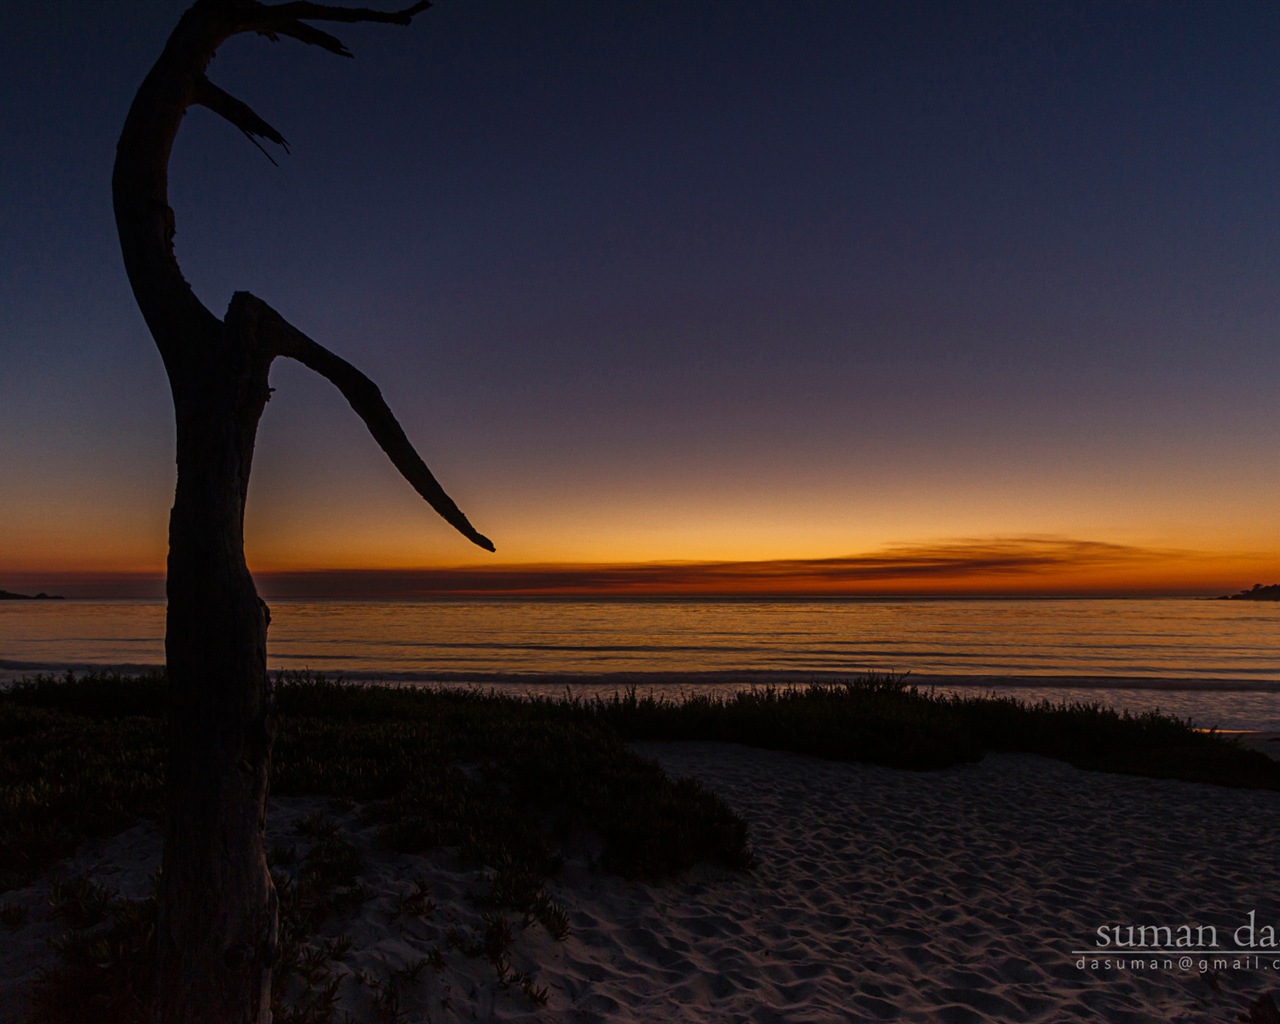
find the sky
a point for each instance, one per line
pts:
(677, 296)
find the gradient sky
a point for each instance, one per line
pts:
(988, 287)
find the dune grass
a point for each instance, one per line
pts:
(887, 720)
(510, 784)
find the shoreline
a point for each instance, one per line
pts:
(12, 670)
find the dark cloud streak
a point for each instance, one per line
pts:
(983, 566)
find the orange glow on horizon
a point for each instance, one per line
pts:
(1007, 567)
(1020, 566)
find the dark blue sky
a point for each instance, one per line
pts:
(685, 280)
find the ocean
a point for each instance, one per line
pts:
(1216, 662)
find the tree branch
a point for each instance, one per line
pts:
(283, 339)
(238, 113)
(305, 10)
(312, 36)
(288, 20)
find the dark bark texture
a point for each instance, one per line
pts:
(216, 933)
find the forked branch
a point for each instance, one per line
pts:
(140, 186)
(283, 339)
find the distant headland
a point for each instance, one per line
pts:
(1256, 593)
(6, 596)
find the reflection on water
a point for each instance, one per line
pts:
(1219, 645)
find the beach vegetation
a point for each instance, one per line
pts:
(105, 968)
(512, 786)
(877, 718)
(886, 719)
(73, 764)
(1094, 737)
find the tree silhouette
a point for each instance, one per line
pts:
(216, 931)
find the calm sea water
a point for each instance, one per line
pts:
(1217, 662)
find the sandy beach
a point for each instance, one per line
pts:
(878, 894)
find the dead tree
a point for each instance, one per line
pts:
(217, 913)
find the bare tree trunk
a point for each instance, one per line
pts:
(216, 934)
(217, 926)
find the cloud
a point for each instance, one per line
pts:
(992, 565)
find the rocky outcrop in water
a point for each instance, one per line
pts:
(7, 596)
(1256, 593)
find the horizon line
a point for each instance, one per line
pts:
(969, 568)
